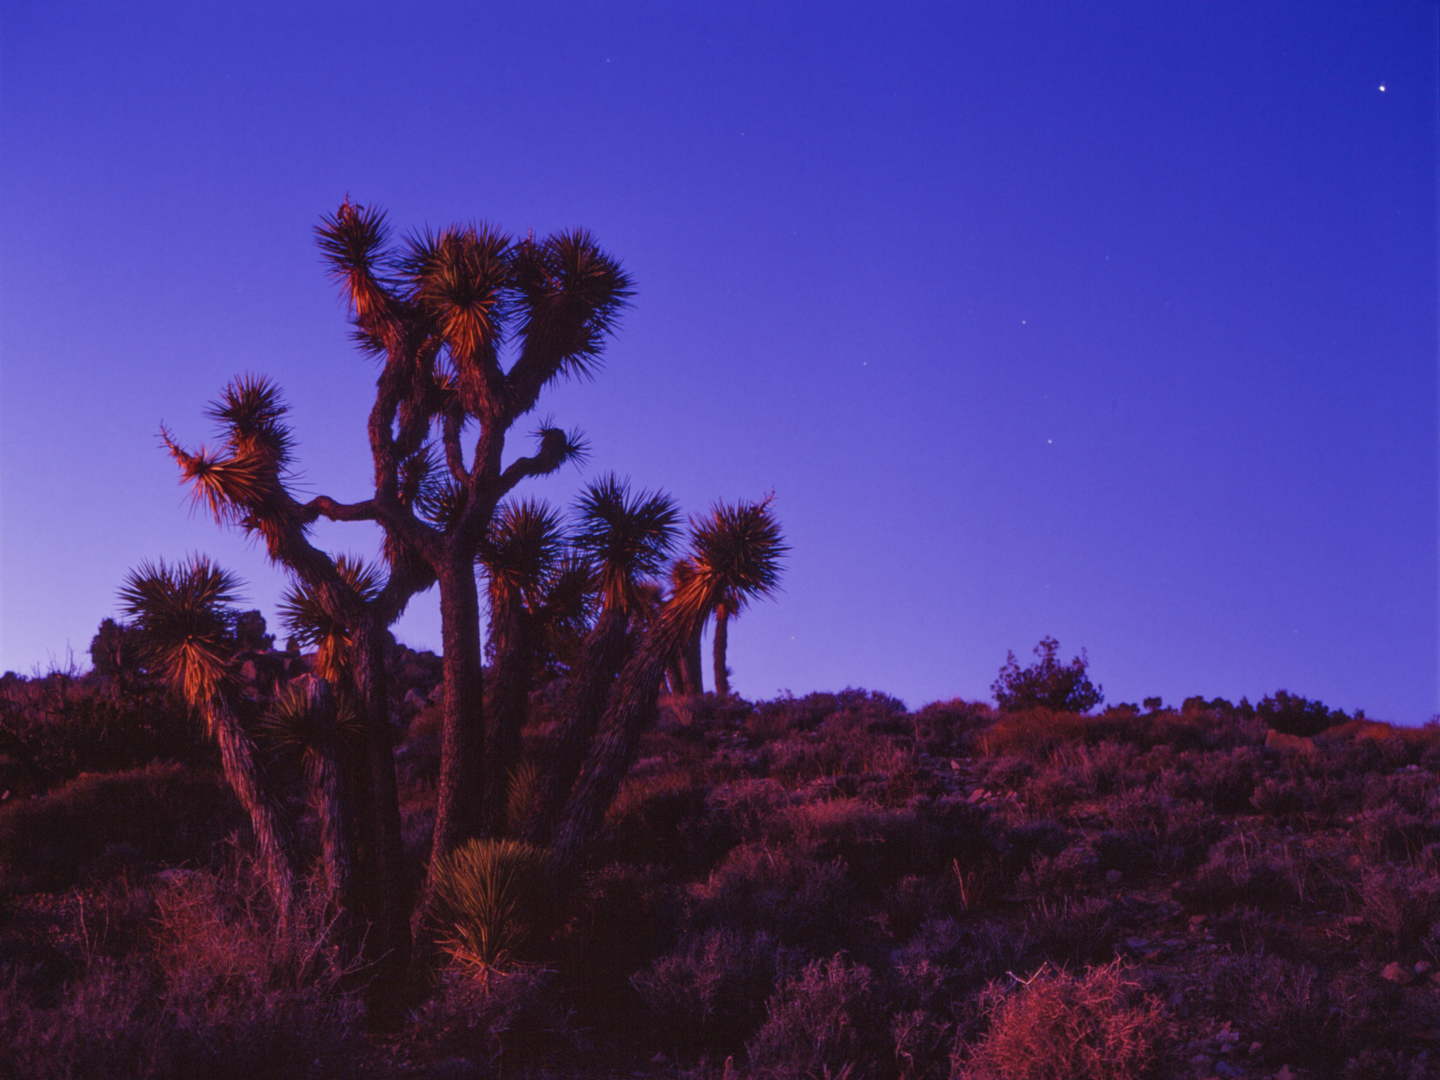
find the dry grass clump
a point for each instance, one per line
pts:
(219, 993)
(827, 1021)
(1058, 1026)
(710, 993)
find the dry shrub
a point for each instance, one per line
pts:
(710, 993)
(1241, 871)
(99, 824)
(825, 1021)
(510, 1017)
(1057, 1026)
(222, 994)
(1073, 931)
(1033, 733)
(805, 903)
(1401, 902)
(1288, 1006)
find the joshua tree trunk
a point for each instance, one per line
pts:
(689, 661)
(590, 685)
(460, 792)
(511, 681)
(631, 710)
(722, 673)
(388, 946)
(238, 760)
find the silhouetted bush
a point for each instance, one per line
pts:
(1047, 683)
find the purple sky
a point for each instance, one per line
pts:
(1110, 322)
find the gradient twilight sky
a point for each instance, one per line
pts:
(1110, 322)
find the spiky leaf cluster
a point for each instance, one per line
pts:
(184, 616)
(626, 538)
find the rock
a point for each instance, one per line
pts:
(1202, 1063)
(1397, 973)
(1113, 876)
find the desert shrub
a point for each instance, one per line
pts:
(1283, 801)
(1057, 1026)
(494, 899)
(1179, 831)
(878, 846)
(1047, 683)
(971, 953)
(1021, 845)
(221, 994)
(99, 824)
(1005, 772)
(826, 1020)
(1225, 780)
(1415, 791)
(807, 904)
(1032, 733)
(1238, 872)
(61, 724)
(1053, 792)
(1285, 1005)
(1061, 875)
(710, 993)
(1070, 930)
(512, 1017)
(1401, 902)
(1385, 833)
(662, 818)
(950, 727)
(625, 916)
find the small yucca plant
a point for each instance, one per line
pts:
(494, 897)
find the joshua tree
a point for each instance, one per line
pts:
(738, 536)
(625, 540)
(736, 553)
(524, 559)
(245, 482)
(438, 311)
(184, 617)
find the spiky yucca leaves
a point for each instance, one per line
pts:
(742, 547)
(493, 898)
(183, 616)
(570, 295)
(306, 618)
(308, 719)
(627, 538)
(243, 482)
(736, 552)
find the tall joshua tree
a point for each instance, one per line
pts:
(439, 311)
(736, 553)
(185, 618)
